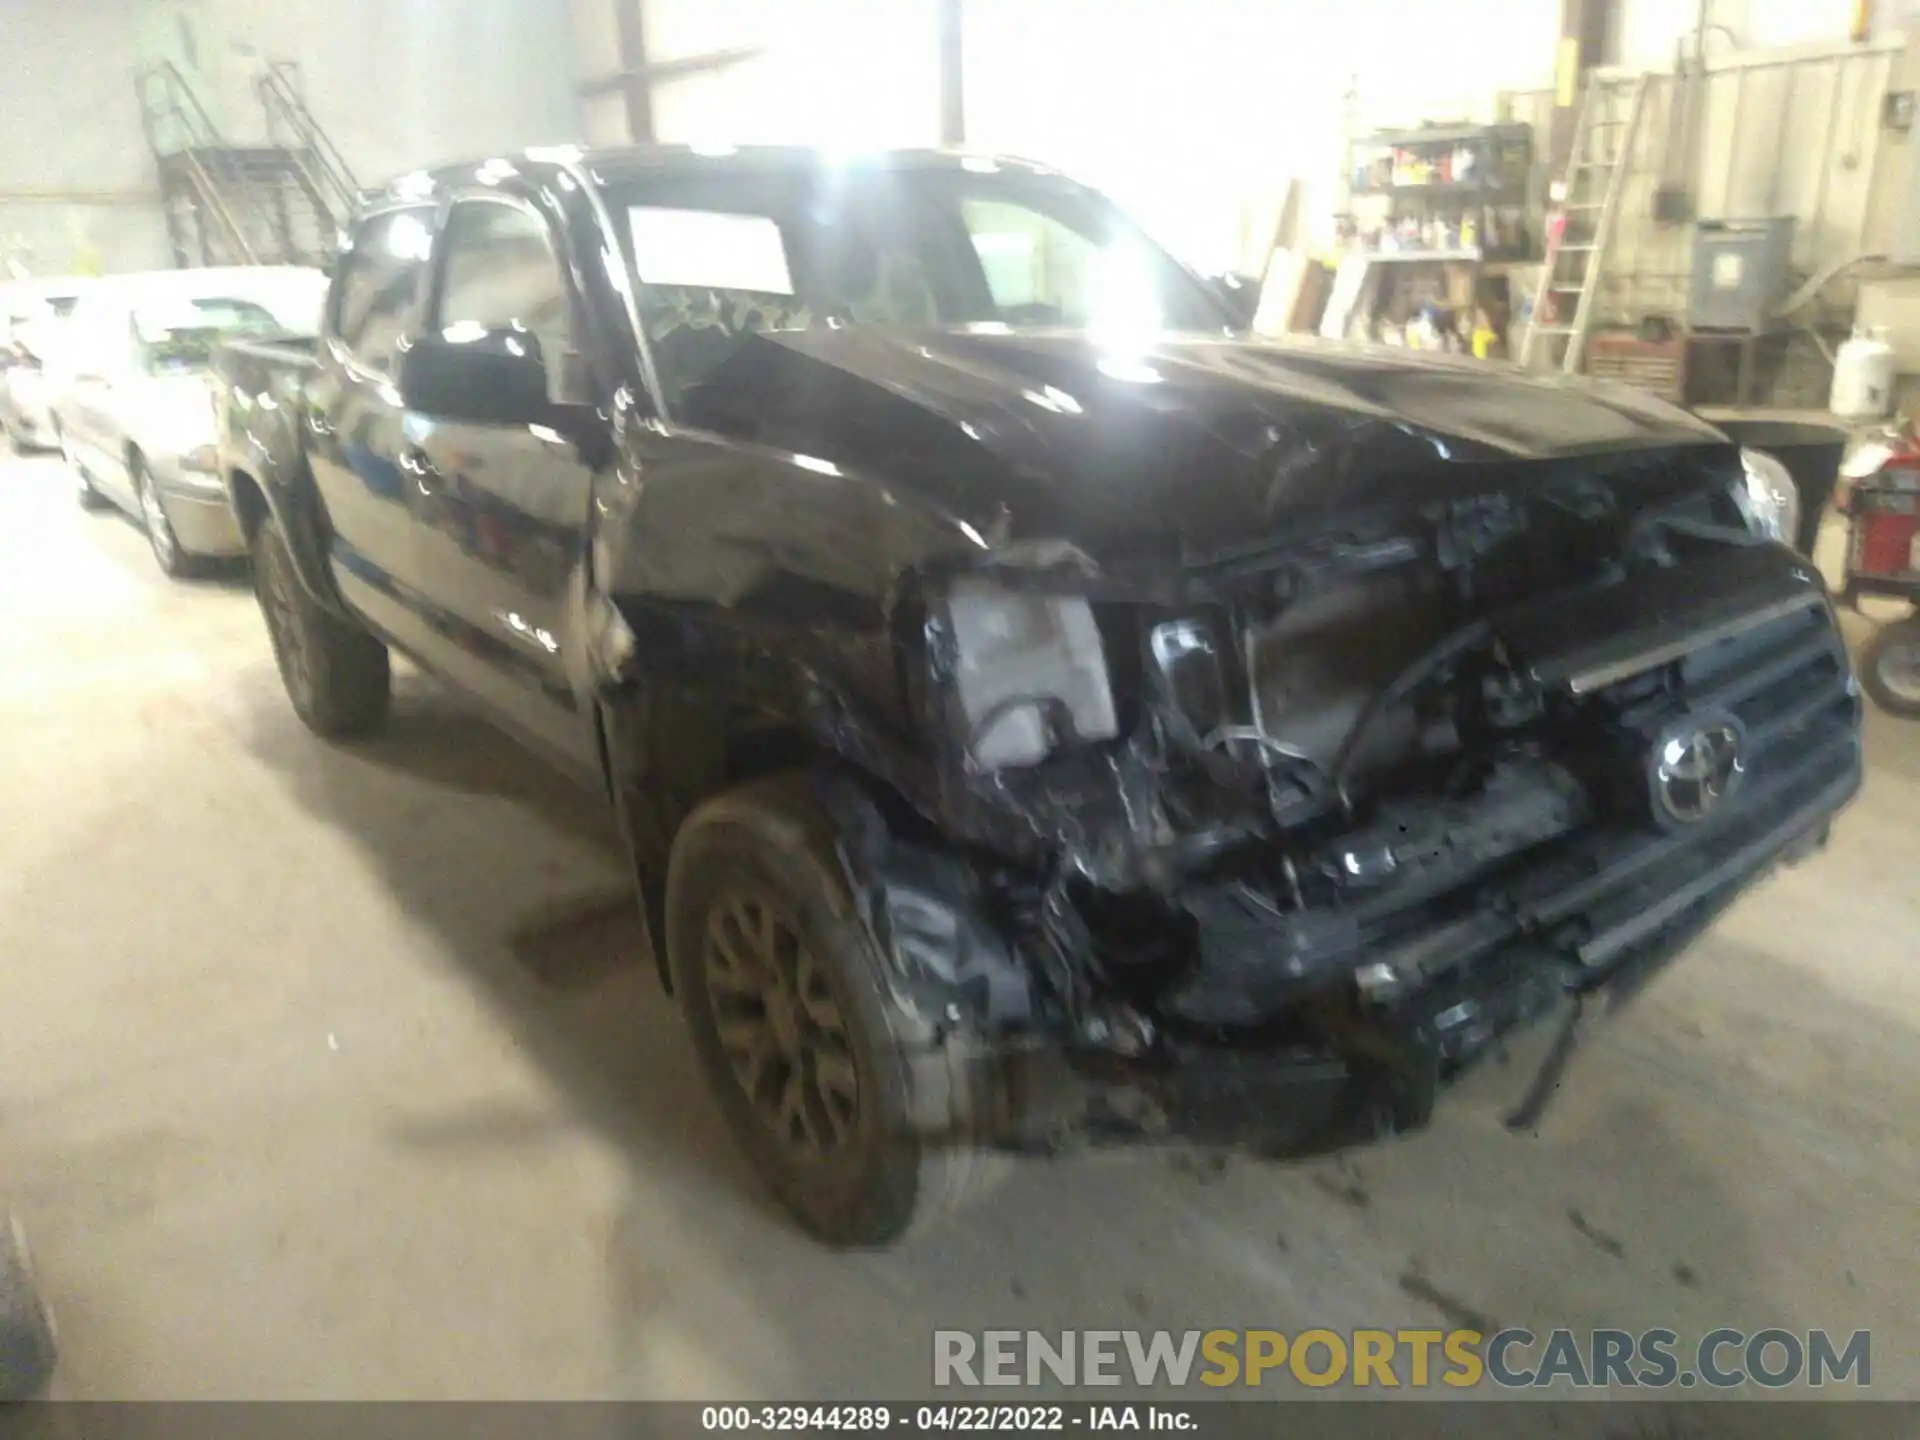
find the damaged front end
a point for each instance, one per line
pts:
(1265, 847)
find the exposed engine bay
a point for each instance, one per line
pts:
(1358, 774)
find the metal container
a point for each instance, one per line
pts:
(1739, 270)
(1863, 374)
(1657, 366)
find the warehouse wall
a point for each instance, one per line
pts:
(397, 84)
(1795, 131)
(830, 72)
(1648, 30)
(75, 184)
(1194, 113)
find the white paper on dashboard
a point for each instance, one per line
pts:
(708, 248)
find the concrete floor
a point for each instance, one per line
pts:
(318, 1080)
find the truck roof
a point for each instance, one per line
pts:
(611, 165)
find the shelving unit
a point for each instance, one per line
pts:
(1443, 188)
(1457, 198)
(1466, 190)
(1430, 257)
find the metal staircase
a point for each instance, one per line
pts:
(290, 125)
(280, 202)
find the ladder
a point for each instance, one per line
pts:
(1603, 141)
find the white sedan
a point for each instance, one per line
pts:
(133, 408)
(33, 317)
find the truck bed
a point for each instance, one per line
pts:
(250, 363)
(259, 403)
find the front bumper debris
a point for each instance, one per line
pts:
(1366, 1075)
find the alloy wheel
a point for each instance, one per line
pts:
(166, 548)
(1898, 667)
(780, 1024)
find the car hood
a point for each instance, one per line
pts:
(1210, 440)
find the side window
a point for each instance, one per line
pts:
(501, 273)
(377, 286)
(1037, 269)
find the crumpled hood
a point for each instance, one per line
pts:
(1211, 440)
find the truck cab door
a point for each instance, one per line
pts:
(352, 423)
(503, 507)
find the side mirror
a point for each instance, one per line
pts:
(493, 377)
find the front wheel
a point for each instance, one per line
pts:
(784, 997)
(174, 562)
(1890, 667)
(335, 673)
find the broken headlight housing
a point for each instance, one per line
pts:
(1029, 673)
(1767, 498)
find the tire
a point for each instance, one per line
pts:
(1890, 668)
(27, 1346)
(90, 498)
(761, 856)
(174, 562)
(335, 673)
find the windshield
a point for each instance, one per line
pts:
(723, 254)
(180, 334)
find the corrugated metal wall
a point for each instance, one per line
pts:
(1794, 131)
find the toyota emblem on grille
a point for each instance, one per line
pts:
(1696, 766)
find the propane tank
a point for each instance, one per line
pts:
(1863, 372)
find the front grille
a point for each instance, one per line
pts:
(1609, 882)
(1589, 898)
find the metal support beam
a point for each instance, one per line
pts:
(1587, 29)
(657, 71)
(633, 63)
(953, 109)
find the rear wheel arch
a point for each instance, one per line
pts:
(335, 672)
(256, 501)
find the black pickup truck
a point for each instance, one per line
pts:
(1036, 715)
